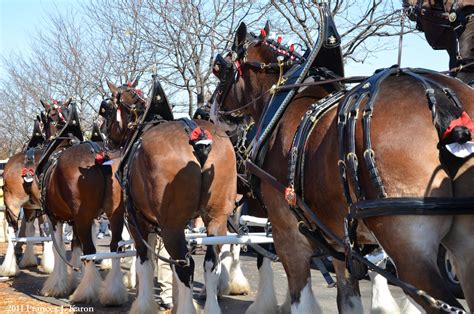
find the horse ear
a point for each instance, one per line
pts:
(135, 83)
(67, 102)
(267, 28)
(112, 87)
(240, 35)
(45, 104)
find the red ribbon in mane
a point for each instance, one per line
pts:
(463, 120)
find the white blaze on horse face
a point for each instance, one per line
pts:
(307, 302)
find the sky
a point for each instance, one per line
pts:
(21, 18)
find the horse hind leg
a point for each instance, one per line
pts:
(175, 244)
(265, 300)
(29, 258)
(145, 301)
(88, 290)
(57, 284)
(238, 284)
(412, 242)
(460, 242)
(9, 268)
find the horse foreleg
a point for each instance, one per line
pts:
(238, 284)
(29, 258)
(57, 284)
(295, 253)
(113, 290)
(9, 267)
(265, 300)
(348, 294)
(382, 299)
(75, 276)
(89, 288)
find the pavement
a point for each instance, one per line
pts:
(22, 293)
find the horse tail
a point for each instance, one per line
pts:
(200, 139)
(449, 117)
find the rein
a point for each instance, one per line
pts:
(274, 88)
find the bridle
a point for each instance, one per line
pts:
(228, 68)
(116, 104)
(62, 113)
(456, 18)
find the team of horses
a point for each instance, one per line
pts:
(392, 179)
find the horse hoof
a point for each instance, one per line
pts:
(144, 306)
(113, 290)
(28, 261)
(89, 288)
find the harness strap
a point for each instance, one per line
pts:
(413, 206)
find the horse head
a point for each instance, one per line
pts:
(246, 74)
(448, 25)
(54, 117)
(122, 111)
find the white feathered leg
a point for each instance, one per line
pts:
(185, 304)
(211, 277)
(265, 300)
(75, 276)
(89, 288)
(29, 258)
(224, 278)
(9, 267)
(145, 301)
(113, 290)
(238, 284)
(382, 299)
(47, 259)
(130, 278)
(57, 284)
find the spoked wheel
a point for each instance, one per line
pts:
(448, 272)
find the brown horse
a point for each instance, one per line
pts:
(21, 191)
(77, 189)
(407, 169)
(168, 184)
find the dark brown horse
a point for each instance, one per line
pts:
(406, 145)
(77, 189)
(21, 190)
(168, 184)
(448, 25)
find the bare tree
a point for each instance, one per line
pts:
(123, 39)
(357, 21)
